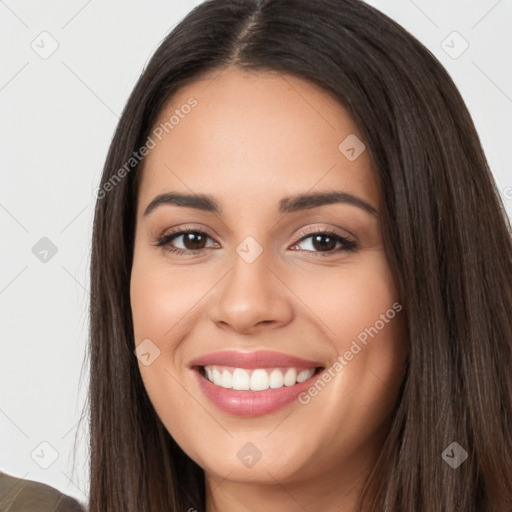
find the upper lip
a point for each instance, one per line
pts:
(252, 360)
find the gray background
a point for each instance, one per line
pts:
(66, 71)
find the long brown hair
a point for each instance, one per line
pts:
(447, 239)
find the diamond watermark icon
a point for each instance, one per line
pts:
(44, 250)
(44, 455)
(147, 352)
(249, 250)
(454, 455)
(45, 45)
(249, 455)
(454, 45)
(351, 147)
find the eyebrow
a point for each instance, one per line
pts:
(286, 205)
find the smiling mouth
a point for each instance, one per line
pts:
(257, 379)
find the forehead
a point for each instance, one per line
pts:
(256, 135)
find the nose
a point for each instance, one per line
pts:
(252, 296)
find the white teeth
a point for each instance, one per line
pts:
(259, 380)
(303, 375)
(226, 381)
(291, 377)
(241, 379)
(276, 379)
(216, 377)
(256, 380)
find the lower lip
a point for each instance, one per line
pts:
(252, 403)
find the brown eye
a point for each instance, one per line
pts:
(192, 241)
(325, 242)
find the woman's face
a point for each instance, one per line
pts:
(255, 283)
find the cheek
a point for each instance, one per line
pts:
(363, 319)
(162, 303)
(352, 298)
(154, 309)
(162, 300)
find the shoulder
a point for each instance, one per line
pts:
(20, 495)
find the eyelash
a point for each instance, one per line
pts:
(164, 241)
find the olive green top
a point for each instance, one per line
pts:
(20, 495)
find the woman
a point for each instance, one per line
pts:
(233, 366)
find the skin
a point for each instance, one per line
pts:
(252, 139)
